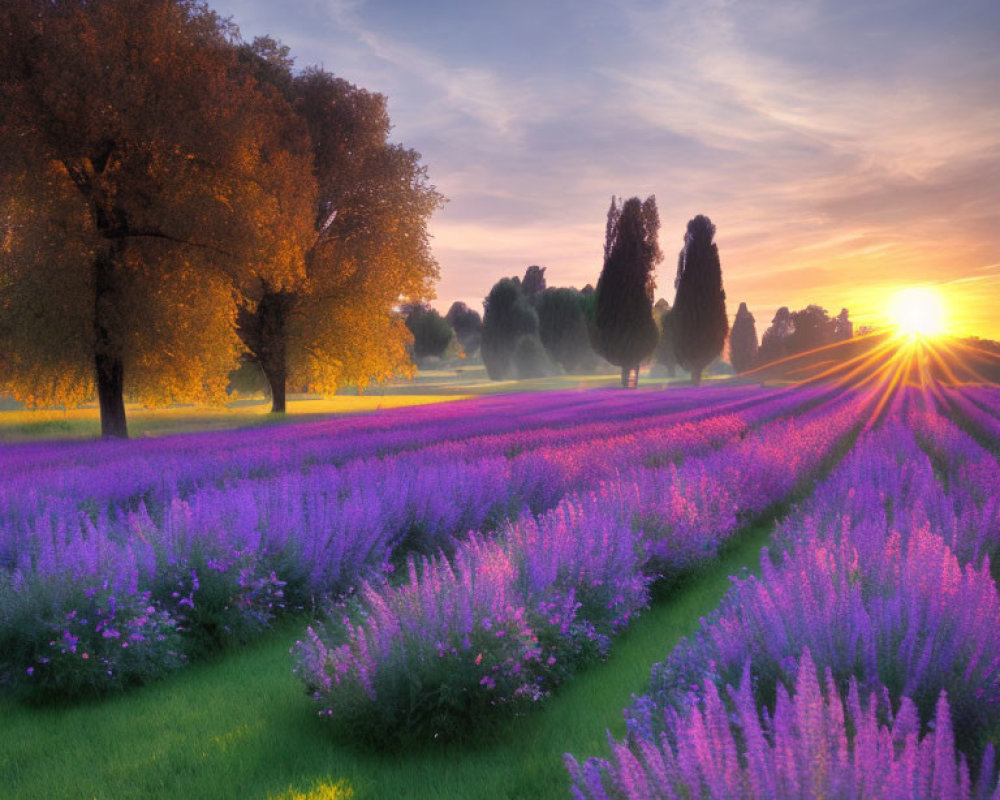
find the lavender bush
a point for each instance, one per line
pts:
(814, 745)
(576, 575)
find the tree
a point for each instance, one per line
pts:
(624, 326)
(562, 327)
(533, 283)
(369, 245)
(664, 352)
(843, 328)
(774, 343)
(699, 317)
(743, 340)
(146, 173)
(507, 317)
(431, 332)
(811, 328)
(468, 326)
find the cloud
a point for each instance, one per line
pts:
(841, 148)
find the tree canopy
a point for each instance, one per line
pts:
(699, 317)
(431, 332)
(562, 327)
(664, 353)
(369, 247)
(468, 326)
(507, 318)
(145, 174)
(743, 340)
(624, 328)
(154, 168)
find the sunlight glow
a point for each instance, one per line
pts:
(918, 310)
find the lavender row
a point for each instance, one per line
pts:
(362, 665)
(168, 466)
(340, 520)
(872, 594)
(979, 407)
(721, 749)
(172, 466)
(227, 559)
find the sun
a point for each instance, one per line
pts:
(918, 311)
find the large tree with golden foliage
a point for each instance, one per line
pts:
(146, 174)
(338, 323)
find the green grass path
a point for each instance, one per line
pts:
(243, 728)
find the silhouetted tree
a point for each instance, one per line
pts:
(529, 359)
(843, 328)
(743, 340)
(774, 343)
(507, 316)
(664, 352)
(468, 326)
(699, 315)
(534, 281)
(812, 328)
(624, 326)
(431, 332)
(562, 326)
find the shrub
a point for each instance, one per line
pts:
(814, 746)
(64, 642)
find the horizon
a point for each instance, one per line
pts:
(843, 151)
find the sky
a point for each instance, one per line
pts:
(843, 149)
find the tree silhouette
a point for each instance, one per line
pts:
(812, 328)
(743, 340)
(774, 343)
(664, 352)
(533, 282)
(843, 328)
(699, 314)
(468, 326)
(625, 332)
(431, 332)
(562, 326)
(507, 318)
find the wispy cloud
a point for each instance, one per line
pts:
(841, 148)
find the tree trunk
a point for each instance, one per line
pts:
(264, 330)
(696, 376)
(276, 375)
(630, 376)
(110, 396)
(109, 366)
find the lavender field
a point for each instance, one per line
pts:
(450, 567)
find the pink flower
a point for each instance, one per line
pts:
(85, 655)
(479, 659)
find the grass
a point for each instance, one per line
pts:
(429, 386)
(242, 727)
(84, 422)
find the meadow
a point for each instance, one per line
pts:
(472, 591)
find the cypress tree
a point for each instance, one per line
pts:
(664, 353)
(625, 330)
(699, 315)
(743, 340)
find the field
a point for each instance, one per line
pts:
(471, 590)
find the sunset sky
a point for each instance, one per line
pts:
(843, 149)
